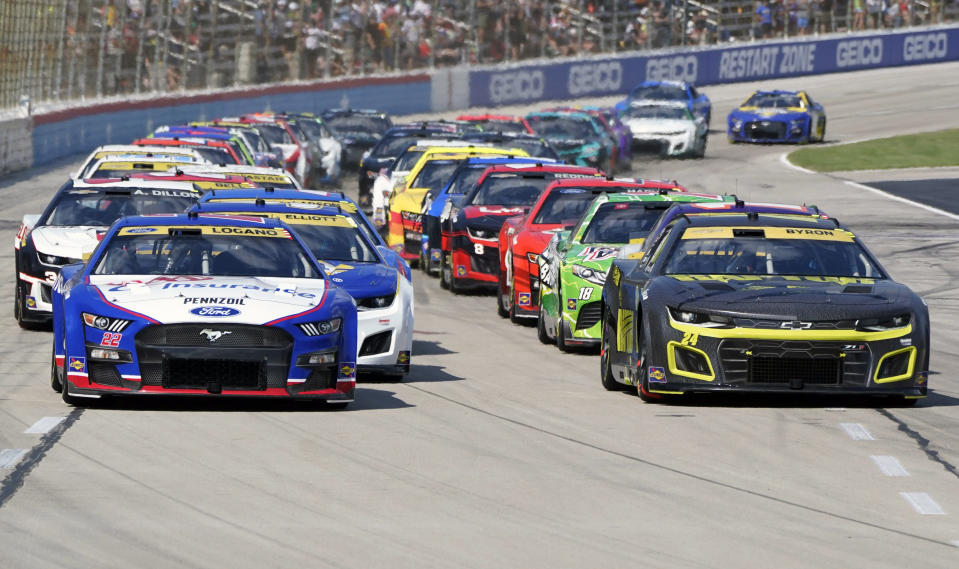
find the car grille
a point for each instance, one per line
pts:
(231, 336)
(648, 146)
(772, 130)
(488, 262)
(771, 362)
(779, 324)
(589, 315)
(242, 357)
(45, 292)
(377, 343)
(105, 374)
(182, 373)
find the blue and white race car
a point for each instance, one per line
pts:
(202, 305)
(668, 92)
(777, 116)
(375, 276)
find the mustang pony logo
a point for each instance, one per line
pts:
(214, 335)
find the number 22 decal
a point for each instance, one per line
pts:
(111, 339)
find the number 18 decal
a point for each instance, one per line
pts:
(585, 292)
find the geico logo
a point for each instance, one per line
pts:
(925, 46)
(516, 86)
(859, 52)
(678, 68)
(607, 76)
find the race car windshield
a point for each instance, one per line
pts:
(657, 112)
(99, 209)
(334, 243)
(770, 101)
(509, 190)
(533, 147)
(566, 205)
(311, 127)
(274, 134)
(359, 126)
(106, 171)
(660, 93)
(187, 251)
(466, 179)
(434, 174)
(395, 145)
(494, 125)
(620, 222)
(406, 160)
(562, 127)
(761, 256)
(216, 155)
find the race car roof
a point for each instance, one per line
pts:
(279, 211)
(188, 219)
(541, 166)
(267, 193)
(639, 183)
(104, 184)
(762, 219)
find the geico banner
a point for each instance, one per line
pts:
(728, 64)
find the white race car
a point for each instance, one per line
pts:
(666, 129)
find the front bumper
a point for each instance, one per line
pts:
(690, 358)
(385, 338)
(664, 144)
(37, 305)
(475, 262)
(767, 131)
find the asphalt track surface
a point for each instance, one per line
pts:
(501, 452)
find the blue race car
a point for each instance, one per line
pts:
(191, 304)
(670, 92)
(372, 274)
(777, 116)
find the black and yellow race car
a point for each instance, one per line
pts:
(758, 302)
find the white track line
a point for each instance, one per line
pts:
(889, 465)
(923, 503)
(11, 456)
(788, 164)
(44, 425)
(857, 432)
(903, 200)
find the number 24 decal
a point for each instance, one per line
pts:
(690, 338)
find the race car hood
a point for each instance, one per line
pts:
(362, 280)
(73, 242)
(240, 300)
(656, 126)
(792, 297)
(568, 144)
(409, 200)
(598, 256)
(779, 114)
(485, 221)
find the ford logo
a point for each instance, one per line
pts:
(141, 230)
(215, 311)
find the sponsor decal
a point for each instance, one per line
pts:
(585, 292)
(77, 364)
(436, 254)
(336, 269)
(905, 341)
(213, 300)
(403, 357)
(571, 303)
(760, 61)
(31, 302)
(290, 291)
(516, 86)
(674, 68)
(214, 335)
(348, 370)
(922, 377)
(925, 46)
(525, 299)
(606, 76)
(215, 311)
(657, 374)
(598, 253)
(460, 271)
(852, 53)
(136, 230)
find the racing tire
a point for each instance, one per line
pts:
(501, 307)
(900, 401)
(605, 368)
(55, 382)
(71, 400)
(821, 131)
(541, 327)
(424, 264)
(446, 272)
(643, 390)
(335, 405)
(701, 152)
(19, 312)
(561, 335)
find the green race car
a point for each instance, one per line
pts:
(574, 265)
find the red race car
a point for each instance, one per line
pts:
(524, 237)
(470, 226)
(498, 123)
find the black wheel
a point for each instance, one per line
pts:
(69, 399)
(900, 401)
(446, 272)
(541, 327)
(424, 262)
(503, 304)
(821, 134)
(643, 382)
(18, 302)
(605, 367)
(336, 405)
(561, 334)
(701, 152)
(55, 382)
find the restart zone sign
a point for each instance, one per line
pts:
(728, 64)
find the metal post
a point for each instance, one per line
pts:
(166, 45)
(579, 28)
(138, 75)
(72, 67)
(328, 28)
(102, 43)
(685, 23)
(432, 33)
(507, 46)
(185, 72)
(211, 63)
